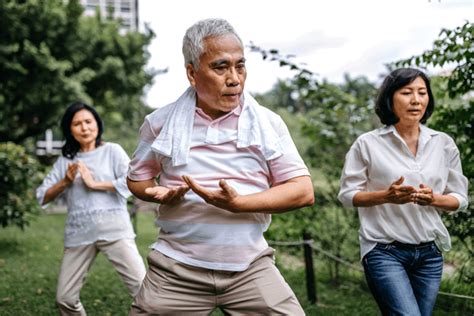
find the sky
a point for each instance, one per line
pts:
(332, 37)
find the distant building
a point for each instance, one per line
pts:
(124, 10)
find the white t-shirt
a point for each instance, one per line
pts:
(377, 159)
(94, 215)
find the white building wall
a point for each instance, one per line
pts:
(125, 10)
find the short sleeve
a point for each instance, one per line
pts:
(290, 164)
(144, 164)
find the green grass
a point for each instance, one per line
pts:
(29, 265)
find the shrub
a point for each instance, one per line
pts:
(19, 176)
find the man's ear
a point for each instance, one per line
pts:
(191, 75)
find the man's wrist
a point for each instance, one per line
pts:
(383, 197)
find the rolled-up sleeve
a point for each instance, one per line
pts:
(457, 183)
(290, 164)
(354, 175)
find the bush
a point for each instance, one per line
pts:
(19, 174)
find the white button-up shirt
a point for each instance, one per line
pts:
(377, 159)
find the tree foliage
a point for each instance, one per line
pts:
(453, 47)
(51, 55)
(19, 174)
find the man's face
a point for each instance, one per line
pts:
(219, 81)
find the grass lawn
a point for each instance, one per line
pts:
(29, 264)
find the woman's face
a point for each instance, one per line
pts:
(410, 102)
(84, 128)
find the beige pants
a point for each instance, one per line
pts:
(173, 288)
(122, 253)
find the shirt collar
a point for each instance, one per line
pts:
(424, 131)
(236, 111)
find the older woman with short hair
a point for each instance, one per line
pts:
(400, 177)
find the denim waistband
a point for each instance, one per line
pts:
(412, 246)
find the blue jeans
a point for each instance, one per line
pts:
(404, 279)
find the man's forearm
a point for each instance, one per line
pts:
(138, 189)
(293, 194)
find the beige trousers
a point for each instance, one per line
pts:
(122, 253)
(173, 288)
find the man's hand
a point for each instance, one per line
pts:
(400, 194)
(166, 195)
(424, 196)
(226, 198)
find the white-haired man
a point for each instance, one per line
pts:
(224, 164)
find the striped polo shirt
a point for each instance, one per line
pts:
(192, 231)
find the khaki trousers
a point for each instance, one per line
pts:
(122, 253)
(173, 288)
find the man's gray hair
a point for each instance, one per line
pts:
(193, 46)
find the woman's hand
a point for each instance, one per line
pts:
(400, 194)
(86, 175)
(71, 172)
(424, 196)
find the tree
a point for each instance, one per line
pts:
(453, 48)
(51, 55)
(19, 173)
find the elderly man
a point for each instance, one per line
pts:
(224, 164)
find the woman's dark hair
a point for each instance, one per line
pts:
(72, 146)
(394, 81)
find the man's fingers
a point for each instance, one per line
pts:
(182, 190)
(189, 181)
(150, 191)
(223, 184)
(399, 181)
(194, 186)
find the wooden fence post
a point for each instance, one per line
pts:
(309, 269)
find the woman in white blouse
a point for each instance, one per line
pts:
(91, 177)
(401, 177)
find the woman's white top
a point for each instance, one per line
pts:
(377, 159)
(92, 214)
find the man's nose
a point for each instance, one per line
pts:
(232, 79)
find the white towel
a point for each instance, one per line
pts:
(254, 129)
